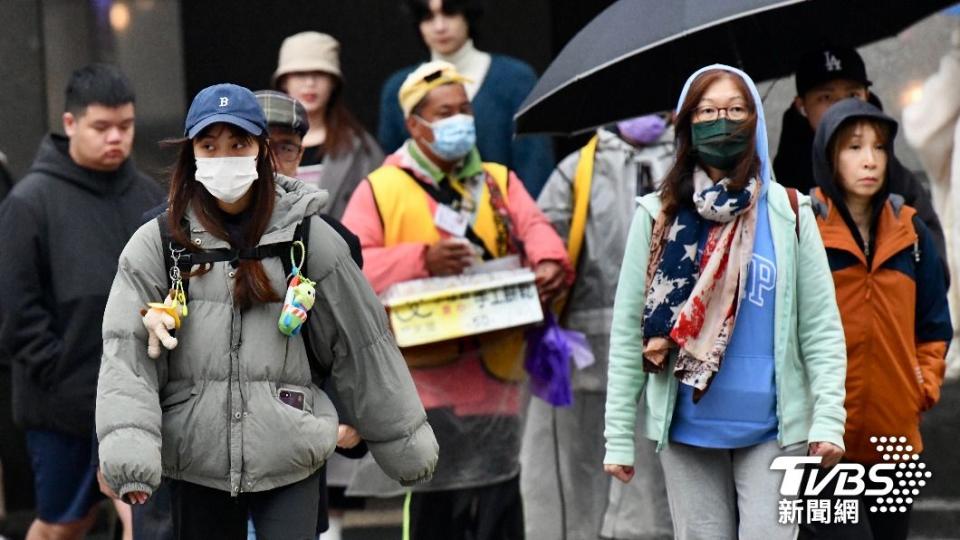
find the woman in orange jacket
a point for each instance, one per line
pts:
(896, 329)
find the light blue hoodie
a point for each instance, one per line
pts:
(739, 409)
(808, 342)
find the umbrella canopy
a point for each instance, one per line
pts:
(634, 57)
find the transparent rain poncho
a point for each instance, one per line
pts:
(475, 417)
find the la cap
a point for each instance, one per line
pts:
(829, 64)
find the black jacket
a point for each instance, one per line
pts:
(63, 230)
(793, 167)
(6, 180)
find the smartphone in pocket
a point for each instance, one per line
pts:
(293, 398)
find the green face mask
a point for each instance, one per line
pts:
(718, 143)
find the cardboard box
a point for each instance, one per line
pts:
(439, 309)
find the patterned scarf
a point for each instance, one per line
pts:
(694, 306)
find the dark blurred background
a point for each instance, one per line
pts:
(171, 49)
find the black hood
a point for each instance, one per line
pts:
(833, 119)
(53, 159)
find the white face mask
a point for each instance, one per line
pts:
(227, 178)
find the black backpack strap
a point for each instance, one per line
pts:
(302, 233)
(170, 248)
(282, 250)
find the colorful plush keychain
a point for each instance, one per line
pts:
(300, 296)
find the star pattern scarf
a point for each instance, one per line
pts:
(690, 304)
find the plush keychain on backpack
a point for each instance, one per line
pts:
(160, 319)
(300, 296)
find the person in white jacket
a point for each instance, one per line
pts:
(565, 491)
(932, 127)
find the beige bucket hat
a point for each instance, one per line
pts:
(308, 51)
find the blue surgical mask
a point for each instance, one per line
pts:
(453, 137)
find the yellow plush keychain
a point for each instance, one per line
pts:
(160, 318)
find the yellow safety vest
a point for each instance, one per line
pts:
(404, 209)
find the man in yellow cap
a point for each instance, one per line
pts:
(434, 209)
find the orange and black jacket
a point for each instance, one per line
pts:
(891, 291)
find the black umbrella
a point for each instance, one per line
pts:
(635, 56)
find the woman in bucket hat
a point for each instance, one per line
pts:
(337, 151)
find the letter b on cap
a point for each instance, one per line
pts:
(224, 101)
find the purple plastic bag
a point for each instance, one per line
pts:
(549, 349)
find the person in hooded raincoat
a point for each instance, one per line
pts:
(725, 323)
(896, 331)
(624, 161)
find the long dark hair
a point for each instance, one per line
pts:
(252, 284)
(342, 127)
(677, 188)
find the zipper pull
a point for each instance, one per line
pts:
(916, 251)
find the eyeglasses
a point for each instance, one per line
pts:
(709, 114)
(287, 152)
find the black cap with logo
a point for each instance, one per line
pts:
(830, 64)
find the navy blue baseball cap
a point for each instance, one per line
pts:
(227, 103)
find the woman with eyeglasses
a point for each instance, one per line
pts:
(336, 153)
(725, 321)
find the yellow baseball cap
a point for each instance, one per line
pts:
(424, 79)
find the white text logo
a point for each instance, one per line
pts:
(888, 487)
(831, 62)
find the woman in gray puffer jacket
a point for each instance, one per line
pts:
(231, 417)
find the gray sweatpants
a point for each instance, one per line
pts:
(726, 494)
(566, 494)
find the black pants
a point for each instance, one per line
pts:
(871, 526)
(284, 513)
(485, 513)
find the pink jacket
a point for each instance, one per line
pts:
(384, 266)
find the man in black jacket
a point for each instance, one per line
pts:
(823, 78)
(64, 226)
